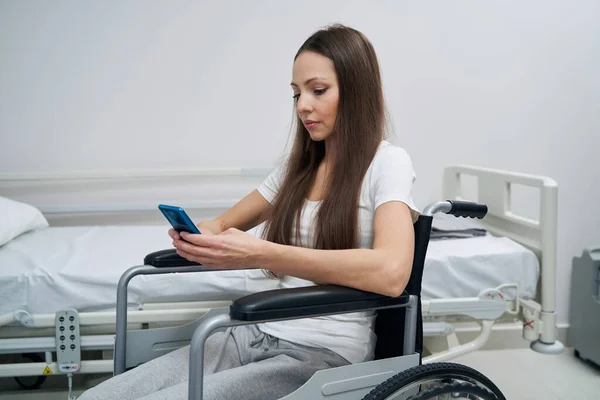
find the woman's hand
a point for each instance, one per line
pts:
(232, 249)
(213, 227)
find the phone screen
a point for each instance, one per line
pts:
(178, 218)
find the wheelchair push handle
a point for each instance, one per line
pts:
(457, 208)
(467, 209)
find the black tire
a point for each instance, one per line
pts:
(31, 382)
(457, 387)
(445, 372)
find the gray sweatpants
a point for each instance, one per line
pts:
(241, 363)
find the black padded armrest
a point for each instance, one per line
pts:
(308, 301)
(168, 259)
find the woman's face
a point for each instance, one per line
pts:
(316, 93)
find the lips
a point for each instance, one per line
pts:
(310, 124)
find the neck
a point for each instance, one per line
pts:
(329, 153)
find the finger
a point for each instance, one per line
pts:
(193, 249)
(207, 262)
(201, 240)
(173, 233)
(188, 256)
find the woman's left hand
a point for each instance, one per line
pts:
(232, 249)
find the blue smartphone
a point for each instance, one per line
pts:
(178, 218)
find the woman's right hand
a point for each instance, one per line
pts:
(213, 227)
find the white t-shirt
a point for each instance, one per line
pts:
(390, 177)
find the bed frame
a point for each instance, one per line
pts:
(496, 189)
(24, 333)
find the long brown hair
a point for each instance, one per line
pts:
(358, 129)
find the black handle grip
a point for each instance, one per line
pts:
(467, 209)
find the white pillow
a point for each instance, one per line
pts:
(17, 218)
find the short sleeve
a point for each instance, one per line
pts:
(270, 186)
(393, 178)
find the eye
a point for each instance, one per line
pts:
(296, 96)
(319, 92)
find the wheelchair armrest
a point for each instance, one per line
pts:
(169, 259)
(309, 301)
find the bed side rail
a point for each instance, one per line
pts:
(495, 188)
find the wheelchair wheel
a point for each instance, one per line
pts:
(456, 390)
(426, 377)
(31, 382)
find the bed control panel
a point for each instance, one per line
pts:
(68, 347)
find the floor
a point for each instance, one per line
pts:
(521, 374)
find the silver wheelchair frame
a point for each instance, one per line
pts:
(395, 353)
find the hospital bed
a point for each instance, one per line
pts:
(508, 272)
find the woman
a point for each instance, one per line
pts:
(338, 211)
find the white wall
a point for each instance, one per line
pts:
(153, 84)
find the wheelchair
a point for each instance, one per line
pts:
(396, 372)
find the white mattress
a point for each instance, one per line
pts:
(464, 267)
(79, 267)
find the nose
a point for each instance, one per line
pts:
(303, 105)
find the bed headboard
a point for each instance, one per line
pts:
(495, 188)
